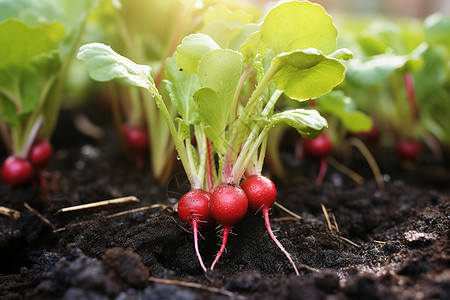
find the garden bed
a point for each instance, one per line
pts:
(390, 244)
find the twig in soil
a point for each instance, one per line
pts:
(370, 160)
(306, 267)
(38, 214)
(192, 285)
(282, 219)
(288, 211)
(85, 126)
(122, 213)
(349, 241)
(380, 242)
(9, 212)
(335, 228)
(327, 217)
(346, 170)
(164, 207)
(116, 201)
(335, 222)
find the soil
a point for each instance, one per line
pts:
(383, 244)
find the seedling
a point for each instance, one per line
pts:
(38, 41)
(225, 94)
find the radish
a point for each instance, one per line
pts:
(261, 193)
(40, 156)
(193, 208)
(408, 150)
(228, 206)
(319, 148)
(41, 153)
(136, 138)
(16, 171)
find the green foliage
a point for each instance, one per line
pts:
(298, 25)
(309, 123)
(207, 82)
(181, 87)
(341, 106)
(37, 43)
(103, 64)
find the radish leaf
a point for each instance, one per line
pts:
(308, 122)
(298, 25)
(191, 50)
(103, 64)
(181, 87)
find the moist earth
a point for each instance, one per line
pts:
(372, 243)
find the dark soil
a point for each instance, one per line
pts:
(385, 244)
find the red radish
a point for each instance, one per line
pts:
(228, 206)
(193, 208)
(262, 193)
(41, 153)
(136, 138)
(408, 150)
(319, 148)
(16, 171)
(40, 156)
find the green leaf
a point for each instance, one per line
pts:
(103, 64)
(220, 70)
(209, 108)
(244, 34)
(437, 29)
(181, 87)
(47, 64)
(228, 28)
(253, 46)
(218, 73)
(71, 14)
(308, 122)
(307, 74)
(341, 106)
(232, 18)
(16, 39)
(298, 25)
(191, 50)
(374, 71)
(9, 112)
(343, 54)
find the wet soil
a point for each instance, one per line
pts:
(382, 244)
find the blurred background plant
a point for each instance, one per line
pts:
(38, 41)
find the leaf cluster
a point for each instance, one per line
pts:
(225, 84)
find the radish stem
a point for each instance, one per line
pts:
(322, 171)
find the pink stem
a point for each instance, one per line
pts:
(210, 171)
(226, 231)
(43, 182)
(269, 230)
(322, 171)
(410, 92)
(195, 229)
